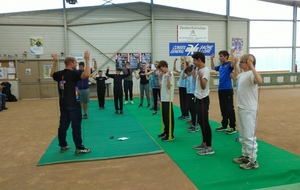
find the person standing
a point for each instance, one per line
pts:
(225, 92)
(167, 97)
(128, 84)
(70, 109)
(101, 88)
(144, 84)
(182, 88)
(247, 103)
(118, 88)
(3, 99)
(202, 104)
(155, 74)
(84, 89)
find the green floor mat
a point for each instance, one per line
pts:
(97, 132)
(277, 167)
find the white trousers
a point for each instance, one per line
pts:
(247, 125)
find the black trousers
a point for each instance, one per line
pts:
(156, 94)
(128, 89)
(227, 108)
(101, 96)
(183, 101)
(192, 107)
(202, 107)
(118, 99)
(167, 119)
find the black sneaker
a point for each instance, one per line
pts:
(154, 113)
(82, 151)
(162, 135)
(166, 138)
(116, 112)
(148, 106)
(121, 112)
(220, 129)
(140, 106)
(64, 148)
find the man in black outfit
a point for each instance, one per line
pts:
(118, 88)
(101, 87)
(70, 109)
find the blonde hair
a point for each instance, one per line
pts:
(245, 57)
(69, 60)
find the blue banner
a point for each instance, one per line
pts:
(187, 49)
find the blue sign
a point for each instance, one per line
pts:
(187, 49)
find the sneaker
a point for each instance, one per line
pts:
(82, 151)
(85, 116)
(166, 138)
(131, 102)
(116, 112)
(162, 135)
(185, 118)
(64, 148)
(126, 102)
(220, 129)
(199, 147)
(249, 165)
(148, 105)
(121, 112)
(5, 108)
(241, 160)
(154, 113)
(193, 129)
(140, 105)
(206, 151)
(180, 117)
(230, 131)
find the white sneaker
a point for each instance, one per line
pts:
(131, 102)
(125, 102)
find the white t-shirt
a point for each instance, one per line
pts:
(247, 94)
(199, 92)
(165, 92)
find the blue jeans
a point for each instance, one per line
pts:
(3, 101)
(71, 114)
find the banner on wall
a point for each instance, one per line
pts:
(36, 46)
(187, 49)
(192, 33)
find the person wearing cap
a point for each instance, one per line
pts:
(118, 88)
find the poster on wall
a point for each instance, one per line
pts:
(36, 46)
(146, 58)
(237, 46)
(134, 60)
(3, 73)
(47, 71)
(121, 59)
(192, 33)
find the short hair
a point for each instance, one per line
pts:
(188, 69)
(100, 71)
(69, 60)
(199, 55)
(119, 69)
(162, 63)
(245, 57)
(224, 53)
(127, 63)
(81, 63)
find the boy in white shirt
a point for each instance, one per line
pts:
(247, 103)
(202, 104)
(167, 97)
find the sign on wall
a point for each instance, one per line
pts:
(237, 46)
(36, 46)
(192, 33)
(187, 49)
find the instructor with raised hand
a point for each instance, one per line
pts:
(70, 110)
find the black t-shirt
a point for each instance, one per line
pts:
(101, 82)
(143, 79)
(118, 79)
(67, 87)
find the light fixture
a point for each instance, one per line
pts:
(73, 2)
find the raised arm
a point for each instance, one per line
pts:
(212, 63)
(174, 66)
(235, 67)
(257, 77)
(54, 66)
(87, 70)
(95, 64)
(137, 76)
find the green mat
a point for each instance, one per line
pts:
(97, 131)
(277, 167)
